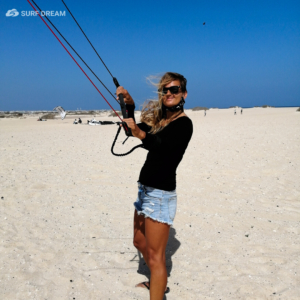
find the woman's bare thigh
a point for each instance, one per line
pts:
(157, 235)
(139, 229)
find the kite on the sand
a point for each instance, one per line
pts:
(61, 111)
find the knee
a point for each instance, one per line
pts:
(155, 259)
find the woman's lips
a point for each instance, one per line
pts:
(169, 99)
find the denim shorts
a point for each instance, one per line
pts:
(159, 205)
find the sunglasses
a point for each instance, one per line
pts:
(172, 89)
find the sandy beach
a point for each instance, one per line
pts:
(66, 215)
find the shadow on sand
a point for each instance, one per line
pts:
(172, 246)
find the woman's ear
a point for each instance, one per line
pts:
(185, 94)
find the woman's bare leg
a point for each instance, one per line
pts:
(154, 246)
(139, 239)
(157, 235)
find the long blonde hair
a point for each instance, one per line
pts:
(152, 111)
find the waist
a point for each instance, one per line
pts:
(147, 188)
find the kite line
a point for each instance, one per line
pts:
(86, 38)
(122, 103)
(121, 98)
(74, 59)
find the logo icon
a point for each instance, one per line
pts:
(12, 13)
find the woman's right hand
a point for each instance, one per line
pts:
(127, 98)
(135, 130)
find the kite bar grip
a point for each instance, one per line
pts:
(123, 106)
(124, 114)
(123, 109)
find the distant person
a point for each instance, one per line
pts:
(75, 122)
(79, 121)
(241, 111)
(235, 111)
(204, 113)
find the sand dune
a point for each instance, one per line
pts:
(66, 210)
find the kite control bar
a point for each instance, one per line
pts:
(123, 109)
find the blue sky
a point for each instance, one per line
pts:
(247, 54)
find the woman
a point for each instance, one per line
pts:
(165, 132)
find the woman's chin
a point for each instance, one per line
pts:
(169, 103)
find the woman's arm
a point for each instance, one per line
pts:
(135, 129)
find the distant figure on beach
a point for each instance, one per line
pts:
(79, 121)
(204, 113)
(75, 122)
(165, 132)
(235, 111)
(241, 111)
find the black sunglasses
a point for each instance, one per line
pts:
(173, 90)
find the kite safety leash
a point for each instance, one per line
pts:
(113, 144)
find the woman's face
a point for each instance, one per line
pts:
(170, 99)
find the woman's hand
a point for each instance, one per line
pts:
(136, 131)
(127, 98)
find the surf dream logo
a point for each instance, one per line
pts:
(31, 13)
(12, 13)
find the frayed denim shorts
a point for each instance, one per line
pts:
(159, 205)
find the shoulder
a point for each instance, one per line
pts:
(184, 122)
(182, 128)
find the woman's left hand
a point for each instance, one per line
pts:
(136, 131)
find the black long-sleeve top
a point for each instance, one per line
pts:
(166, 149)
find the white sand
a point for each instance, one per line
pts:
(66, 216)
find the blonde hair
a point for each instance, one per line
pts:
(152, 111)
